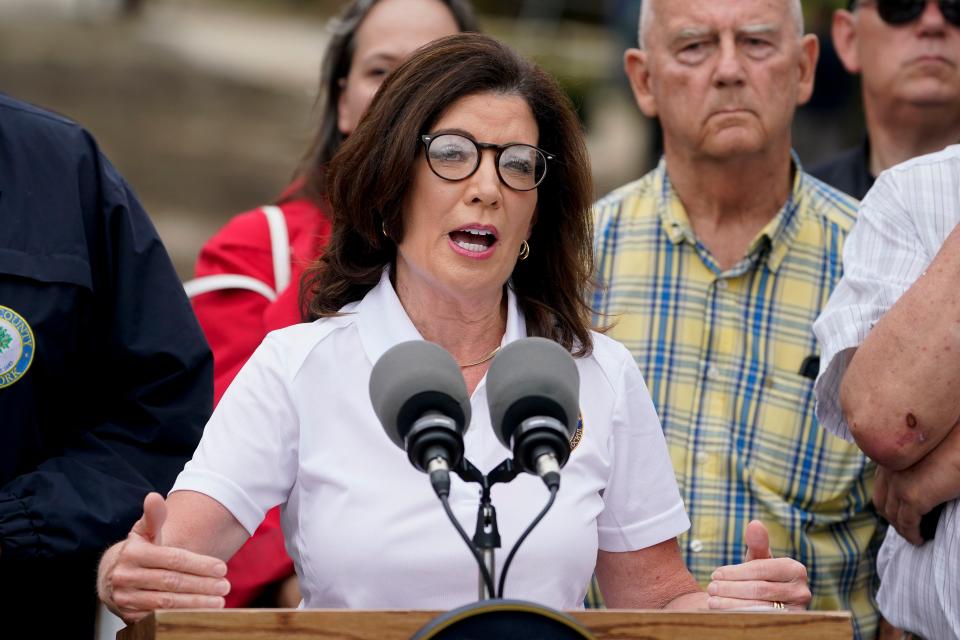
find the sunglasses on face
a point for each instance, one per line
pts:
(899, 12)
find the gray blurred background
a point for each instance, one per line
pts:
(206, 105)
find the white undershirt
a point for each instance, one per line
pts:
(364, 528)
(902, 224)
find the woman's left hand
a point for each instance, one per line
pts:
(761, 580)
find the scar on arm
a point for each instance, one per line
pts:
(913, 435)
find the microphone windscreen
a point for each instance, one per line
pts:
(413, 378)
(532, 377)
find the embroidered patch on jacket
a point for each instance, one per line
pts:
(578, 434)
(16, 346)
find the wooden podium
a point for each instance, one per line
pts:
(321, 624)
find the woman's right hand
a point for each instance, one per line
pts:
(139, 575)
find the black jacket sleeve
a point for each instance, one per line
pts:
(120, 383)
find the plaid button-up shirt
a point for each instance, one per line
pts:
(729, 358)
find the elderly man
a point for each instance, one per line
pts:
(889, 379)
(908, 55)
(715, 266)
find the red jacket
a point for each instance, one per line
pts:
(235, 321)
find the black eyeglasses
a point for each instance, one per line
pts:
(454, 156)
(898, 12)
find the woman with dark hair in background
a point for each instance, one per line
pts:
(247, 275)
(461, 211)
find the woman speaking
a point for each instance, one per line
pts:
(461, 216)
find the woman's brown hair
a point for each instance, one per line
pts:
(371, 174)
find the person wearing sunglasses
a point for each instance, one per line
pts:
(907, 53)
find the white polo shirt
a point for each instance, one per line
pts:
(365, 529)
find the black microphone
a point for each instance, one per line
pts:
(420, 398)
(533, 390)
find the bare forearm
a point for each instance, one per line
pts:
(695, 600)
(941, 470)
(651, 578)
(199, 523)
(905, 497)
(677, 592)
(899, 392)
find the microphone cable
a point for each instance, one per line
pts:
(487, 579)
(523, 536)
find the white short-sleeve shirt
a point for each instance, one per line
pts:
(902, 224)
(364, 528)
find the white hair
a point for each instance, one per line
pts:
(647, 17)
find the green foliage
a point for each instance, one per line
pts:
(5, 339)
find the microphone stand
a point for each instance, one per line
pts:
(486, 536)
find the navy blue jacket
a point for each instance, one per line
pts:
(105, 377)
(848, 171)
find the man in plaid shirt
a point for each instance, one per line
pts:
(713, 268)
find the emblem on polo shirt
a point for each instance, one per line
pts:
(16, 346)
(578, 434)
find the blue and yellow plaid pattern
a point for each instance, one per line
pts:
(722, 353)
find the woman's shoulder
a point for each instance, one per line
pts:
(304, 216)
(319, 329)
(296, 342)
(611, 359)
(244, 245)
(251, 229)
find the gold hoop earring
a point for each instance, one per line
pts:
(383, 228)
(524, 250)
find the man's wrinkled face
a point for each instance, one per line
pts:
(723, 76)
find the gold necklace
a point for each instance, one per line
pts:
(481, 360)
